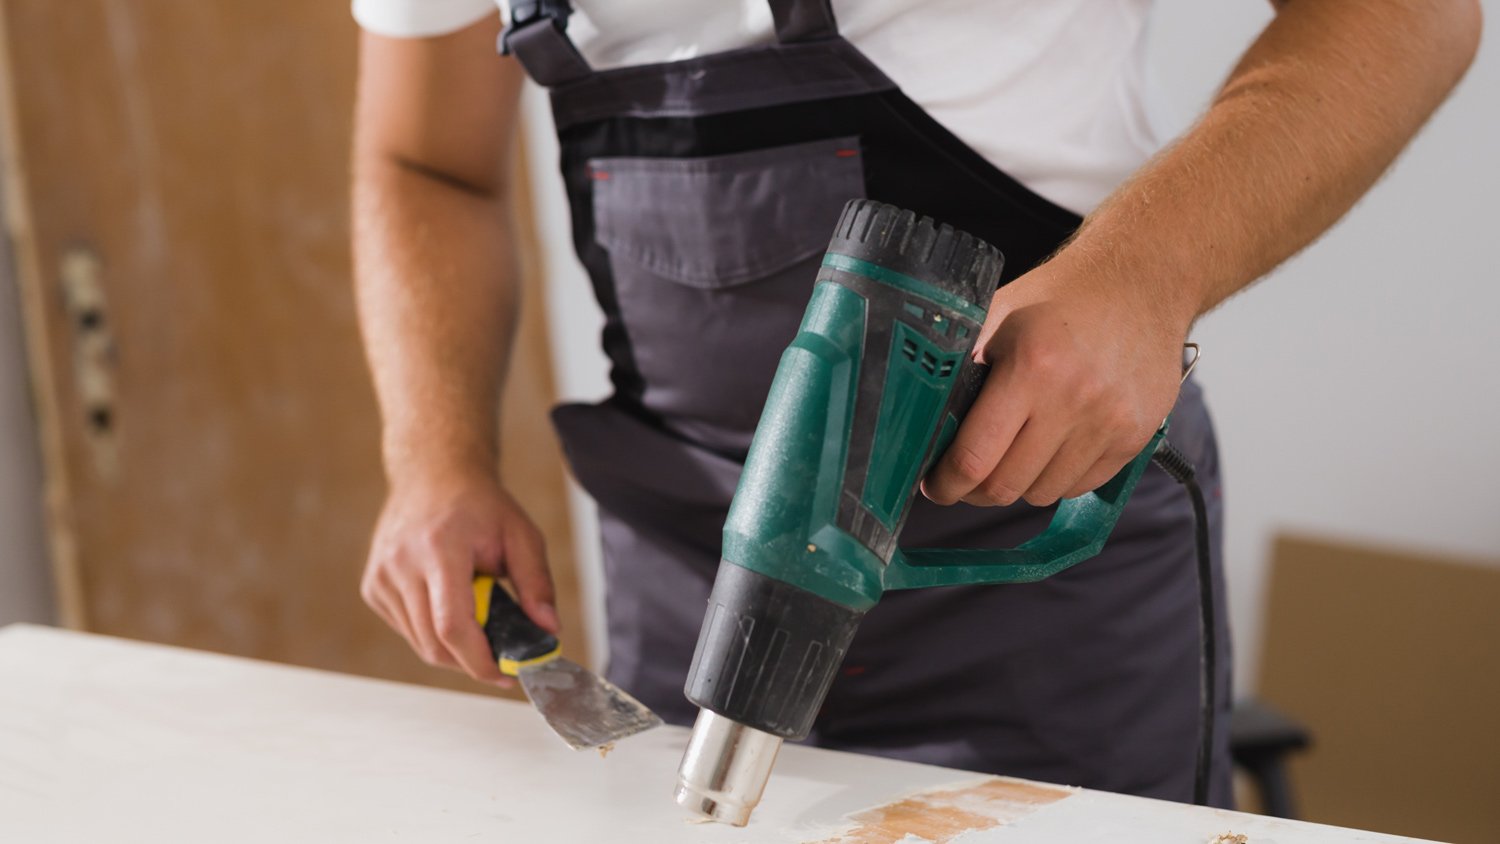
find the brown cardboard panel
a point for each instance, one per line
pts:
(1392, 657)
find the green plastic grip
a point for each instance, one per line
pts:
(1077, 532)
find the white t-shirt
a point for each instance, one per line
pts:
(1050, 91)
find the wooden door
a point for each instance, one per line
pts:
(178, 184)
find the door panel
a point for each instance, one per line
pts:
(179, 204)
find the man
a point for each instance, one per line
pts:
(706, 150)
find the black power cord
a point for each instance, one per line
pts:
(1176, 464)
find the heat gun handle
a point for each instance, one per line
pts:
(1077, 532)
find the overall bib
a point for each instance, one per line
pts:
(703, 192)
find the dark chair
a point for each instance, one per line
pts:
(1260, 740)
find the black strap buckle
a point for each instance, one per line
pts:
(525, 12)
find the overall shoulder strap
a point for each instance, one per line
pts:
(803, 20)
(537, 35)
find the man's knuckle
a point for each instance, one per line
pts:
(448, 626)
(1122, 418)
(1100, 477)
(1042, 361)
(427, 540)
(1090, 388)
(999, 491)
(1040, 498)
(967, 464)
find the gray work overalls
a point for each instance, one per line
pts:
(703, 193)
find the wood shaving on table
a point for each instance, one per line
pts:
(947, 813)
(604, 749)
(1230, 838)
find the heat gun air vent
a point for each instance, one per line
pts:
(918, 247)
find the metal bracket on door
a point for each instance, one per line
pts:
(94, 357)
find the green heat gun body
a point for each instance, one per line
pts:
(865, 399)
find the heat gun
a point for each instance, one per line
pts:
(865, 399)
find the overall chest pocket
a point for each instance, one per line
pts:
(713, 261)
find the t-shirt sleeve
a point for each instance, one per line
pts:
(419, 18)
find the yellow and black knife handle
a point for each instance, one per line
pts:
(515, 640)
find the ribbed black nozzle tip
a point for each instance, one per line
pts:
(920, 247)
(768, 652)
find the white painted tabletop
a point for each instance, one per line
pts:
(106, 740)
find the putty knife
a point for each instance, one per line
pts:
(579, 705)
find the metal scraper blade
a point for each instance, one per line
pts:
(582, 707)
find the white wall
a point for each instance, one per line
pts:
(1357, 391)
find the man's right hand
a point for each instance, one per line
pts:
(432, 537)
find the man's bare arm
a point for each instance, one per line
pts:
(1310, 117)
(1086, 348)
(432, 254)
(437, 304)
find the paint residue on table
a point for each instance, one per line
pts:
(942, 814)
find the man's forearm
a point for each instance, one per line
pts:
(1313, 114)
(433, 270)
